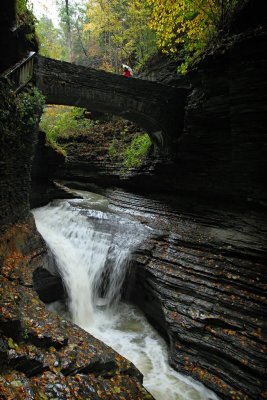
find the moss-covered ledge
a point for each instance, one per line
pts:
(19, 117)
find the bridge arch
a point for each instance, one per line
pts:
(157, 108)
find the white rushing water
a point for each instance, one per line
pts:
(91, 246)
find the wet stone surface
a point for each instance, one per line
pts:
(201, 280)
(43, 356)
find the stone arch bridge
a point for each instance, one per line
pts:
(157, 108)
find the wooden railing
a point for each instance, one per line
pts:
(21, 73)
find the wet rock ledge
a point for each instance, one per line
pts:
(43, 356)
(201, 280)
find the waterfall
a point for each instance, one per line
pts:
(92, 247)
(92, 250)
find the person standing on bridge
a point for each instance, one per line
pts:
(127, 71)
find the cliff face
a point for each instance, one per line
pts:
(223, 149)
(17, 138)
(41, 355)
(201, 281)
(45, 163)
(17, 36)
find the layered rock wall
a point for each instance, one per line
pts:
(16, 150)
(201, 281)
(223, 149)
(42, 356)
(222, 152)
(46, 161)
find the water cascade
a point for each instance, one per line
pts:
(92, 247)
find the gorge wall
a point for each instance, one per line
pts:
(202, 282)
(42, 356)
(223, 149)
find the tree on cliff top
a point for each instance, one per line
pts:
(185, 28)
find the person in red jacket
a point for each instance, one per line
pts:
(127, 71)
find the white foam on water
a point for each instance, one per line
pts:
(91, 245)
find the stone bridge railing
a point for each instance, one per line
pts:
(22, 72)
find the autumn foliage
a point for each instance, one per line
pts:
(106, 33)
(186, 27)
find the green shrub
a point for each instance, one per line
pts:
(130, 155)
(135, 154)
(61, 121)
(19, 117)
(20, 112)
(25, 17)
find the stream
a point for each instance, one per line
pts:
(92, 247)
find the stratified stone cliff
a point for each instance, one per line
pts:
(41, 355)
(223, 149)
(201, 280)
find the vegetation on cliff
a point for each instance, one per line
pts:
(132, 154)
(19, 116)
(116, 141)
(27, 23)
(20, 113)
(24, 14)
(60, 122)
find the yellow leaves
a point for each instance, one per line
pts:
(230, 332)
(119, 29)
(190, 23)
(12, 344)
(88, 27)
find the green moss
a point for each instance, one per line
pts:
(24, 14)
(20, 113)
(30, 104)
